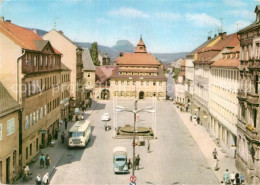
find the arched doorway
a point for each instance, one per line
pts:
(105, 94)
(141, 95)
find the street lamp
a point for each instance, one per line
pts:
(135, 111)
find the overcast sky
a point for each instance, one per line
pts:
(166, 25)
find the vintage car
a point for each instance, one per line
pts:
(120, 160)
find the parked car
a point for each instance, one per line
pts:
(120, 160)
(105, 117)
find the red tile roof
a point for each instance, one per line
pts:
(207, 53)
(104, 73)
(137, 59)
(230, 62)
(21, 36)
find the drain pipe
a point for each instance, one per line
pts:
(18, 89)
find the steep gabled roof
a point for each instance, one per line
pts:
(7, 103)
(87, 61)
(23, 37)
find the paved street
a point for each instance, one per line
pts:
(175, 157)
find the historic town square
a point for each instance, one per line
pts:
(119, 92)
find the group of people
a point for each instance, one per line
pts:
(136, 163)
(45, 160)
(44, 180)
(195, 117)
(233, 178)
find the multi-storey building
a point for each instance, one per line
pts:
(89, 77)
(103, 59)
(206, 56)
(31, 74)
(10, 113)
(72, 58)
(248, 126)
(180, 86)
(223, 103)
(189, 74)
(138, 74)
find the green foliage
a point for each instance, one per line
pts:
(94, 53)
(176, 73)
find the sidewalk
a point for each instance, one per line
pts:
(56, 153)
(207, 145)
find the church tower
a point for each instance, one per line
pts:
(140, 48)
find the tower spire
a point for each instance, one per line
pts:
(140, 48)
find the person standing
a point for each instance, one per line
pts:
(134, 162)
(66, 123)
(56, 134)
(232, 177)
(62, 137)
(42, 161)
(148, 146)
(47, 161)
(226, 176)
(137, 162)
(198, 120)
(237, 179)
(191, 118)
(129, 164)
(215, 153)
(38, 180)
(45, 179)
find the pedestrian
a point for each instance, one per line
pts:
(26, 173)
(62, 137)
(191, 118)
(82, 117)
(215, 153)
(56, 134)
(47, 161)
(45, 179)
(237, 178)
(134, 162)
(187, 108)
(77, 118)
(148, 146)
(38, 180)
(232, 177)
(66, 123)
(42, 161)
(241, 177)
(49, 139)
(198, 120)
(226, 176)
(215, 165)
(129, 164)
(137, 162)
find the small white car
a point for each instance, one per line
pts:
(105, 117)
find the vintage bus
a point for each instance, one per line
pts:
(79, 134)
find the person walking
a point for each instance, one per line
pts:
(129, 164)
(226, 176)
(215, 153)
(42, 161)
(38, 180)
(47, 161)
(137, 162)
(198, 120)
(66, 123)
(148, 146)
(232, 177)
(45, 179)
(62, 137)
(237, 178)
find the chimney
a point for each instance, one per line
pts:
(121, 54)
(223, 35)
(2, 19)
(209, 37)
(8, 21)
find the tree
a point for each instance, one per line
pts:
(176, 72)
(94, 53)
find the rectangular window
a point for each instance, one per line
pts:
(31, 119)
(54, 61)
(45, 109)
(26, 60)
(128, 82)
(34, 60)
(142, 83)
(46, 60)
(34, 117)
(154, 83)
(37, 115)
(41, 60)
(122, 82)
(26, 126)
(0, 132)
(30, 149)
(41, 112)
(88, 74)
(26, 153)
(10, 126)
(37, 144)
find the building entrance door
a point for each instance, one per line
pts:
(141, 95)
(8, 170)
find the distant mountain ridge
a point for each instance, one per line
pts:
(122, 46)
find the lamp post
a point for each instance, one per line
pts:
(135, 111)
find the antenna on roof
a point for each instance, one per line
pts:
(221, 29)
(55, 23)
(237, 26)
